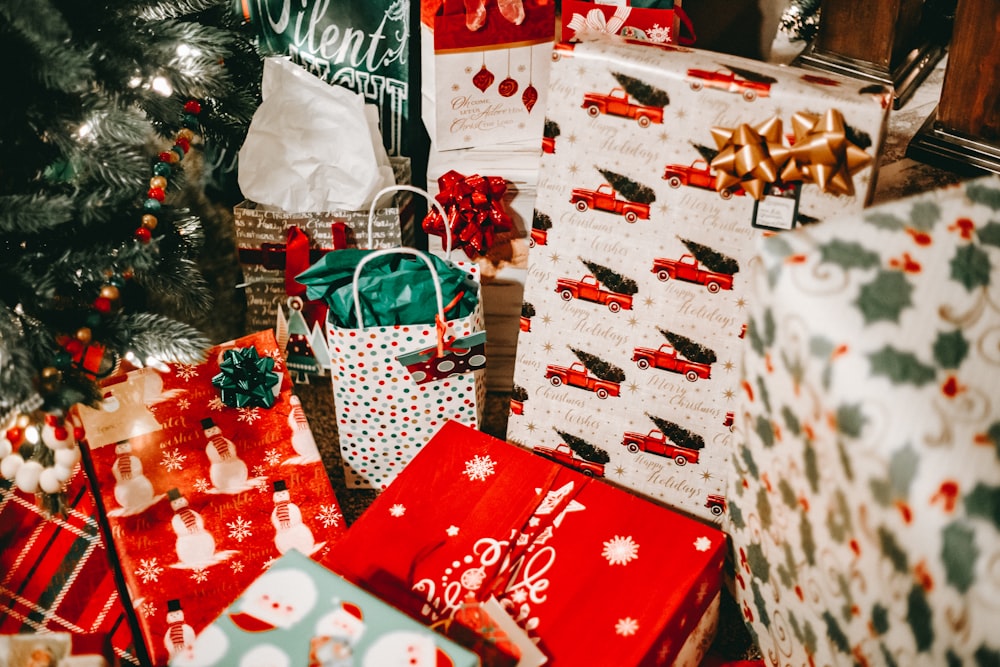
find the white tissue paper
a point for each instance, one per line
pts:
(311, 146)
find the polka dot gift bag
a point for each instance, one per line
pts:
(406, 336)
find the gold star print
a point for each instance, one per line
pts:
(741, 303)
(530, 427)
(633, 321)
(633, 387)
(521, 68)
(468, 70)
(546, 319)
(554, 257)
(581, 70)
(680, 113)
(648, 301)
(571, 138)
(729, 393)
(573, 169)
(728, 365)
(663, 136)
(619, 471)
(706, 475)
(663, 208)
(520, 126)
(547, 347)
(455, 87)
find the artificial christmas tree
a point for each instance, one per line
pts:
(109, 97)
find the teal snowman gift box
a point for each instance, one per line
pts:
(298, 613)
(865, 509)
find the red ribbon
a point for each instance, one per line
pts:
(297, 260)
(475, 210)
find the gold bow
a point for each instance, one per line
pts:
(822, 153)
(749, 156)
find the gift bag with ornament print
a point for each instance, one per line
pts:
(204, 475)
(406, 337)
(485, 70)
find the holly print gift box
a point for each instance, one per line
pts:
(199, 495)
(668, 164)
(864, 504)
(595, 575)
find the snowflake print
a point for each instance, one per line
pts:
(397, 510)
(239, 530)
(236, 566)
(273, 457)
(199, 575)
(278, 358)
(186, 371)
(703, 544)
(479, 467)
(173, 460)
(659, 34)
(183, 404)
(620, 550)
(202, 485)
(248, 415)
(148, 570)
(147, 609)
(216, 404)
(519, 596)
(626, 627)
(329, 515)
(452, 531)
(257, 471)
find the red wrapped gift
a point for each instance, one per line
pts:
(206, 473)
(595, 575)
(658, 25)
(55, 575)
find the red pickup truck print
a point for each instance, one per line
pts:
(577, 376)
(589, 289)
(655, 442)
(687, 268)
(724, 79)
(616, 103)
(666, 358)
(716, 504)
(699, 175)
(563, 454)
(605, 198)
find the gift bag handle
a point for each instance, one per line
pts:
(439, 318)
(426, 195)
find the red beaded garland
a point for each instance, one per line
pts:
(143, 234)
(157, 193)
(101, 305)
(166, 156)
(183, 143)
(192, 106)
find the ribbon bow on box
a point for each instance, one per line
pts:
(246, 380)
(475, 208)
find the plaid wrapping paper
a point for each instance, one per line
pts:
(55, 571)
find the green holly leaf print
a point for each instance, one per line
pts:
(885, 297)
(849, 255)
(760, 604)
(787, 571)
(850, 420)
(892, 551)
(880, 619)
(838, 519)
(765, 431)
(760, 567)
(845, 461)
(918, 615)
(989, 234)
(811, 467)
(994, 432)
(835, 634)
(810, 639)
(900, 367)
(821, 348)
(887, 656)
(787, 493)
(983, 194)
(884, 220)
(748, 459)
(971, 267)
(791, 421)
(959, 553)
(845, 595)
(755, 337)
(950, 349)
(986, 657)
(902, 469)
(881, 491)
(924, 215)
(984, 501)
(736, 516)
(764, 507)
(793, 366)
(807, 540)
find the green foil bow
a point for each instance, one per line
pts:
(245, 379)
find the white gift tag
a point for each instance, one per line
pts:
(531, 655)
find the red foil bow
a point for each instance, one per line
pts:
(475, 209)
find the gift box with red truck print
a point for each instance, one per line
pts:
(669, 163)
(594, 574)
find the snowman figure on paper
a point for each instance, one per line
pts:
(179, 638)
(195, 546)
(289, 531)
(133, 490)
(406, 648)
(227, 470)
(337, 633)
(278, 599)
(302, 438)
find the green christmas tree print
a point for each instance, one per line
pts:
(628, 188)
(550, 129)
(605, 370)
(643, 93)
(689, 349)
(710, 258)
(584, 449)
(527, 309)
(679, 435)
(611, 279)
(519, 393)
(540, 221)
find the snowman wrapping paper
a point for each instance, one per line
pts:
(593, 574)
(199, 497)
(299, 613)
(864, 503)
(627, 358)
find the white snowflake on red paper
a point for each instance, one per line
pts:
(186, 371)
(257, 471)
(479, 467)
(519, 596)
(248, 415)
(183, 404)
(239, 530)
(199, 575)
(659, 34)
(703, 544)
(202, 485)
(147, 609)
(216, 404)
(626, 627)
(620, 550)
(148, 570)
(279, 359)
(236, 566)
(329, 516)
(272, 456)
(452, 531)
(397, 510)
(173, 460)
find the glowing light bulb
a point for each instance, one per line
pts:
(162, 86)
